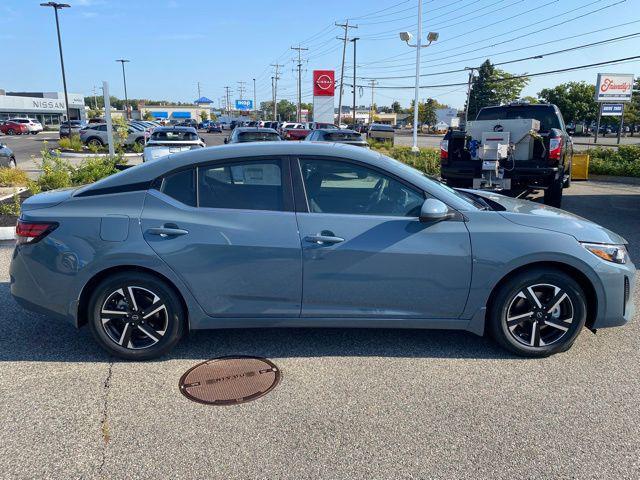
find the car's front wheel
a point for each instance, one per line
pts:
(95, 142)
(135, 316)
(538, 313)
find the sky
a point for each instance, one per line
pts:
(175, 44)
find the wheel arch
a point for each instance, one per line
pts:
(584, 282)
(85, 294)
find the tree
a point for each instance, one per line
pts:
(94, 113)
(493, 86)
(148, 115)
(426, 112)
(204, 115)
(632, 109)
(574, 99)
(395, 107)
(530, 99)
(286, 110)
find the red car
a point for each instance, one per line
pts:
(13, 128)
(295, 133)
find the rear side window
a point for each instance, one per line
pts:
(181, 186)
(246, 185)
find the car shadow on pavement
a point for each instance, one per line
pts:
(32, 337)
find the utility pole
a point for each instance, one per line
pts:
(299, 50)
(124, 79)
(373, 86)
(273, 98)
(199, 91)
(255, 105)
(466, 109)
(275, 79)
(56, 7)
(354, 40)
(241, 89)
(344, 39)
(226, 89)
(95, 98)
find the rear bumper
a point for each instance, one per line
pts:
(520, 176)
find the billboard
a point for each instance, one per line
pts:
(324, 83)
(614, 87)
(244, 105)
(612, 109)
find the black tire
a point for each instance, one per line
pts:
(554, 332)
(140, 141)
(96, 142)
(130, 334)
(553, 194)
(34, 133)
(11, 131)
(12, 163)
(567, 182)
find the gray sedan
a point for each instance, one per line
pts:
(309, 234)
(7, 158)
(96, 134)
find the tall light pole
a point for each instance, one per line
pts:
(255, 105)
(354, 40)
(56, 7)
(406, 37)
(124, 79)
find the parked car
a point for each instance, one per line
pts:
(317, 125)
(381, 133)
(294, 131)
(190, 122)
(70, 128)
(252, 134)
(96, 135)
(13, 128)
(337, 136)
(32, 124)
(94, 120)
(7, 158)
(284, 234)
(214, 128)
(167, 140)
(204, 124)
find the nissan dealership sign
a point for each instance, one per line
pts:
(324, 86)
(11, 103)
(614, 87)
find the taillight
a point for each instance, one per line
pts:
(555, 148)
(444, 150)
(31, 232)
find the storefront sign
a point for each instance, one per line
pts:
(614, 87)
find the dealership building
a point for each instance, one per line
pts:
(47, 107)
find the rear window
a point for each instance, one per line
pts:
(258, 137)
(174, 136)
(342, 137)
(546, 115)
(381, 128)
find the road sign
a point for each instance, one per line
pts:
(612, 109)
(244, 105)
(614, 87)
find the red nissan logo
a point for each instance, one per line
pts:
(324, 82)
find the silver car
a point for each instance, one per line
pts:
(95, 134)
(167, 140)
(308, 234)
(7, 158)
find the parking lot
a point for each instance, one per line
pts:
(351, 403)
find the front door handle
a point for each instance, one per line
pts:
(323, 239)
(167, 231)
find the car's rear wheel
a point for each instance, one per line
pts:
(135, 316)
(538, 313)
(140, 141)
(12, 163)
(95, 142)
(11, 131)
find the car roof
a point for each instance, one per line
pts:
(174, 129)
(336, 130)
(256, 129)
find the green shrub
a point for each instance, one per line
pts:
(137, 147)
(93, 169)
(56, 172)
(427, 160)
(13, 177)
(71, 143)
(625, 161)
(13, 208)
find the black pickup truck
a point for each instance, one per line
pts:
(547, 169)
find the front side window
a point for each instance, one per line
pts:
(341, 187)
(250, 185)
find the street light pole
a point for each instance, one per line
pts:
(56, 7)
(124, 79)
(255, 105)
(354, 40)
(406, 37)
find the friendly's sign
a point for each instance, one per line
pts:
(614, 87)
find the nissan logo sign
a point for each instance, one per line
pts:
(324, 82)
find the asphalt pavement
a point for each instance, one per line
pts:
(352, 404)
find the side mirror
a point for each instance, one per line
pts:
(226, 139)
(434, 210)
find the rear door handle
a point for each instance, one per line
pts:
(323, 239)
(167, 231)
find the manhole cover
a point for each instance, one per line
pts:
(229, 380)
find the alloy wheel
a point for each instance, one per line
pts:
(539, 315)
(134, 317)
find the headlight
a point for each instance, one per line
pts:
(610, 253)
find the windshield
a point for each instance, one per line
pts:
(545, 114)
(342, 137)
(179, 136)
(258, 137)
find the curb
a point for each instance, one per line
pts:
(7, 233)
(18, 191)
(92, 155)
(613, 179)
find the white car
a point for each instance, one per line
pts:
(32, 124)
(167, 140)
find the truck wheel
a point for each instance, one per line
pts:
(567, 182)
(553, 194)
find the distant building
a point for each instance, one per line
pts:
(47, 107)
(444, 115)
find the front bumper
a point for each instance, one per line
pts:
(618, 304)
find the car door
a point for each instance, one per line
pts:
(365, 252)
(229, 230)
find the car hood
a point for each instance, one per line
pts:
(537, 215)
